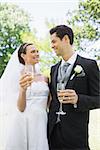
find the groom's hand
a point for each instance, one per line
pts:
(69, 96)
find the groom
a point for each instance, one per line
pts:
(81, 94)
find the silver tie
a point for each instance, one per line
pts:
(64, 71)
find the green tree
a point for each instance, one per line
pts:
(85, 23)
(13, 23)
(48, 57)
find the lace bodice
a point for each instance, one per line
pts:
(37, 93)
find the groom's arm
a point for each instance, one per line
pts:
(92, 99)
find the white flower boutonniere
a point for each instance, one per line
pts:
(78, 71)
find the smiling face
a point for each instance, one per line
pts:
(31, 56)
(58, 44)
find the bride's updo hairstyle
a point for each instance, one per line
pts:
(21, 50)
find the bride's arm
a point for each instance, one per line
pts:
(49, 96)
(21, 103)
(24, 82)
(48, 102)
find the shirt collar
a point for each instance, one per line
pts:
(71, 60)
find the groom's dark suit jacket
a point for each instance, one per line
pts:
(74, 125)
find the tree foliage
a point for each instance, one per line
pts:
(47, 56)
(13, 23)
(85, 23)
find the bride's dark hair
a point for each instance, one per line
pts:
(21, 50)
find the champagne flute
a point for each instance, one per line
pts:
(60, 86)
(29, 71)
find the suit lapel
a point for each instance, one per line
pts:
(55, 74)
(71, 82)
(54, 84)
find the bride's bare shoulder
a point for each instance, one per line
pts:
(45, 78)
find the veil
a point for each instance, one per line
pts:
(8, 94)
(9, 91)
(9, 84)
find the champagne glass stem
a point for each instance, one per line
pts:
(58, 118)
(60, 107)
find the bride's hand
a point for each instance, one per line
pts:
(25, 81)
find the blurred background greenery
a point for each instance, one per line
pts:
(15, 29)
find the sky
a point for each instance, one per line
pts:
(40, 10)
(49, 9)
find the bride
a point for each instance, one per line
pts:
(23, 102)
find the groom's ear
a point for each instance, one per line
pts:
(66, 38)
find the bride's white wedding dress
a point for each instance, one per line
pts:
(28, 129)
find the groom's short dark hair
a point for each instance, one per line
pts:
(61, 31)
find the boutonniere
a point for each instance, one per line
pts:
(78, 71)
